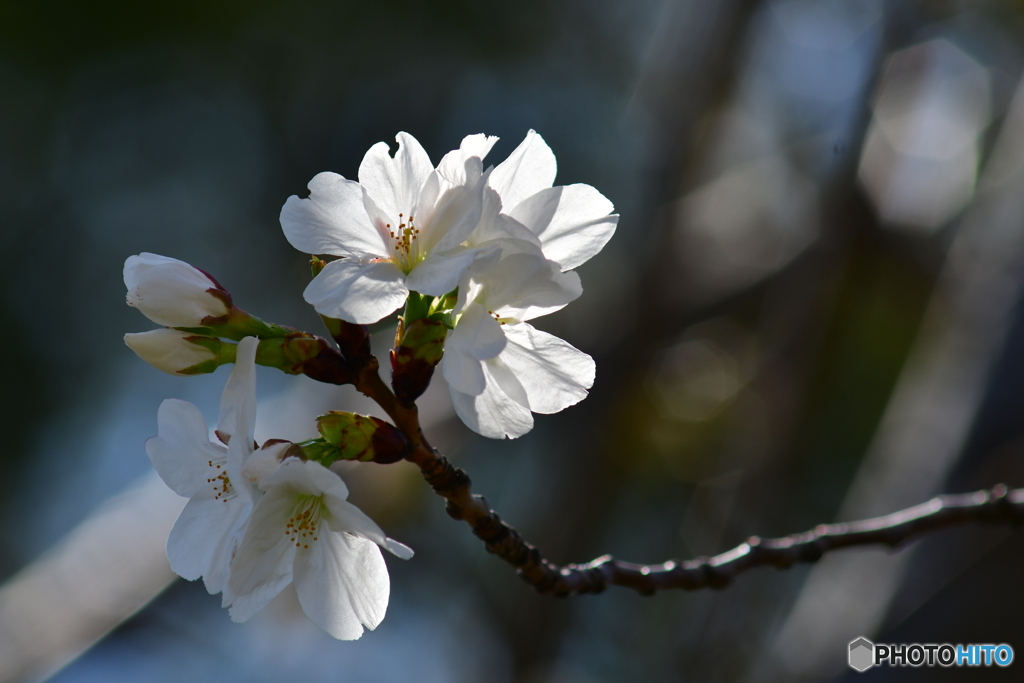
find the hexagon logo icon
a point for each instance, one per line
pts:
(862, 654)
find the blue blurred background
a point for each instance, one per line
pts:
(810, 312)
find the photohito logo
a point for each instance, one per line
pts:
(863, 654)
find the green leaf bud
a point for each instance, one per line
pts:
(360, 437)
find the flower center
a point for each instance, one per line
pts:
(404, 245)
(222, 488)
(303, 526)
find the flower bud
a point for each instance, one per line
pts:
(175, 294)
(418, 349)
(300, 353)
(180, 353)
(358, 437)
(172, 293)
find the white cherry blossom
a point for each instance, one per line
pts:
(303, 530)
(171, 292)
(209, 474)
(571, 222)
(499, 368)
(400, 228)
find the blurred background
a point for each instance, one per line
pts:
(810, 312)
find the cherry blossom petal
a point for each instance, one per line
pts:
(427, 203)
(572, 222)
(530, 167)
(308, 478)
(452, 168)
(382, 223)
(525, 286)
(333, 220)
(394, 182)
(456, 213)
(264, 462)
(357, 291)
(204, 538)
(439, 273)
(476, 337)
(238, 402)
(262, 566)
(555, 374)
(492, 413)
(478, 333)
(342, 584)
(346, 517)
(496, 226)
(471, 286)
(462, 371)
(182, 447)
(500, 374)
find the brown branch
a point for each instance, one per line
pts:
(999, 505)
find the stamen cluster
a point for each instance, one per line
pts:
(403, 243)
(222, 488)
(302, 526)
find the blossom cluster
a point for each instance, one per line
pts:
(470, 254)
(506, 239)
(257, 520)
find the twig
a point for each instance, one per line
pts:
(999, 505)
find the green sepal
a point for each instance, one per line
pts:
(236, 324)
(224, 353)
(417, 306)
(445, 318)
(444, 304)
(318, 450)
(422, 340)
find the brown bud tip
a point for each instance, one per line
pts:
(329, 366)
(388, 443)
(353, 340)
(410, 379)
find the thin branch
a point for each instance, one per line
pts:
(999, 505)
(996, 506)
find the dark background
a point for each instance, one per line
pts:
(806, 290)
